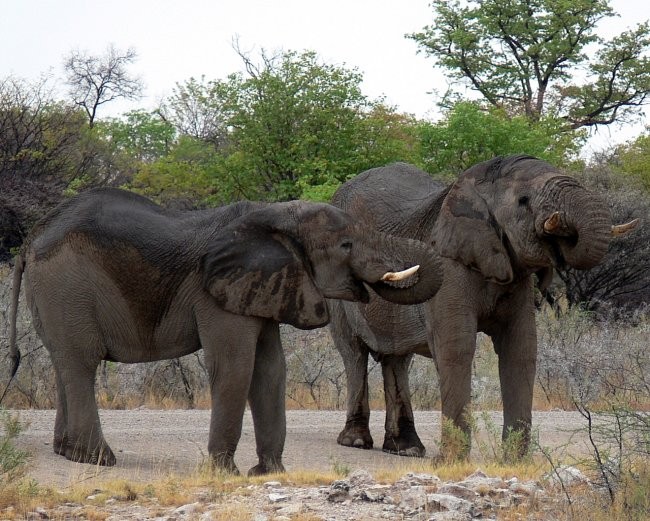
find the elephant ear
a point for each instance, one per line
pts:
(467, 231)
(257, 271)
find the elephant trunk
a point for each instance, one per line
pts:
(578, 221)
(397, 254)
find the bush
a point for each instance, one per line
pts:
(12, 460)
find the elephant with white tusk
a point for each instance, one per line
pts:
(501, 222)
(109, 275)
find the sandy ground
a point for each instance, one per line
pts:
(151, 444)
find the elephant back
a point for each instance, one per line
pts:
(399, 199)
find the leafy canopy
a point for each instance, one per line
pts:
(530, 57)
(470, 134)
(290, 127)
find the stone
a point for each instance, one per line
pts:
(566, 475)
(275, 497)
(458, 491)
(449, 502)
(360, 478)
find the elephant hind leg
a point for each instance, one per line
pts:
(356, 432)
(78, 434)
(61, 421)
(400, 437)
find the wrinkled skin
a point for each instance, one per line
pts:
(492, 227)
(109, 275)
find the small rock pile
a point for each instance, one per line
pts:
(415, 496)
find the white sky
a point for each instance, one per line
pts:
(176, 40)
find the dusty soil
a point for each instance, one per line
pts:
(151, 444)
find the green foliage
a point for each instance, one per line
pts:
(633, 159)
(12, 460)
(183, 173)
(469, 134)
(526, 56)
(292, 127)
(455, 443)
(494, 448)
(142, 135)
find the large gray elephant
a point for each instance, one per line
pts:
(109, 275)
(501, 222)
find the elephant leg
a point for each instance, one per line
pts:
(454, 345)
(229, 345)
(61, 421)
(516, 346)
(354, 352)
(400, 437)
(266, 400)
(78, 433)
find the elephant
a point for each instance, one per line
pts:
(110, 275)
(499, 224)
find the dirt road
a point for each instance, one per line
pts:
(151, 444)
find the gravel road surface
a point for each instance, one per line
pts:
(151, 444)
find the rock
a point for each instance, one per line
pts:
(412, 479)
(275, 497)
(566, 475)
(449, 502)
(458, 491)
(272, 484)
(360, 478)
(188, 509)
(414, 498)
(372, 494)
(481, 483)
(450, 516)
(290, 510)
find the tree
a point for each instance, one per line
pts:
(526, 56)
(633, 159)
(96, 80)
(195, 109)
(41, 152)
(469, 134)
(290, 126)
(145, 136)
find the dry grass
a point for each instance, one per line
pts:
(633, 502)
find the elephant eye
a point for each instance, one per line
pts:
(523, 200)
(346, 245)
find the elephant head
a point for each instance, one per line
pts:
(284, 260)
(515, 215)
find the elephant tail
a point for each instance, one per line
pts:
(14, 353)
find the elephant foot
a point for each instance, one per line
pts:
(405, 442)
(59, 444)
(103, 455)
(404, 446)
(267, 467)
(357, 436)
(224, 462)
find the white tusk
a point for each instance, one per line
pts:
(394, 276)
(622, 229)
(552, 223)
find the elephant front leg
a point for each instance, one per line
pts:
(229, 350)
(516, 346)
(454, 341)
(354, 352)
(401, 437)
(266, 400)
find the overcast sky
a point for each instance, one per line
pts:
(176, 40)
